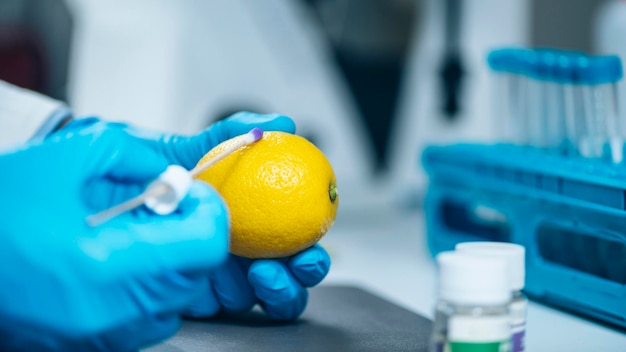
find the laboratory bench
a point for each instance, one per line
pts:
(383, 249)
(379, 250)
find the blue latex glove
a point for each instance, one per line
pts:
(188, 150)
(117, 287)
(279, 286)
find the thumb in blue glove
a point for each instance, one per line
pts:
(116, 287)
(188, 150)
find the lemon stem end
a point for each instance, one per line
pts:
(332, 192)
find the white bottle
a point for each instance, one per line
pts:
(472, 313)
(515, 255)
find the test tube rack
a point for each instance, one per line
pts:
(569, 213)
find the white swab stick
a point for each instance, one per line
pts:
(249, 138)
(163, 195)
(108, 214)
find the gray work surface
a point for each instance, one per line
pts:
(337, 318)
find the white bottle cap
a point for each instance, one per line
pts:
(473, 280)
(177, 181)
(513, 253)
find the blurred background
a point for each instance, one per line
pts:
(369, 81)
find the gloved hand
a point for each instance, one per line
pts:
(116, 287)
(186, 151)
(279, 286)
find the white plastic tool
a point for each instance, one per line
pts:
(164, 194)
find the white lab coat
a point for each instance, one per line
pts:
(26, 115)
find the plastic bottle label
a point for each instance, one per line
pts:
(518, 325)
(479, 334)
(517, 340)
(501, 346)
(439, 347)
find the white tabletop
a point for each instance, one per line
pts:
(383, 249)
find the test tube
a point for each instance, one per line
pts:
(556, 123)
(524, 97)
(501, 92)
(603, 135)
(551, 119)
(591, 138)
(606, 105)
(573, 110)
(561, 78)
(506, 93)
(522, 94)
(535, 103)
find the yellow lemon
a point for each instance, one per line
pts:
(281, 192)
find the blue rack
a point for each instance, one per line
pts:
(569, 213)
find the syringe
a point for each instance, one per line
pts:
(163, 195)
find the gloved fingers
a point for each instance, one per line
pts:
(280, 294)
(131, 336)
(85, 123)
(125, 158)
(16, 336)
(244, 121)
(204, 222)
(168, 292)
(186, 151)
(228, 290)
(151, 303)
(150, 138)
(101, 194)
(205, 305)
(189, 203)
(196, 238)
(231, 286)
(136, 335)
(310, 266)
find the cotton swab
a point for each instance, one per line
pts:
(249, 138)
(164, 194)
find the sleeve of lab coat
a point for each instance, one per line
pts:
(26, 115)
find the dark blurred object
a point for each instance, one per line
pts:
(35, 38)
(370, 40)
(21, 61)
(452, 72)
(452, 75)
(565, 24)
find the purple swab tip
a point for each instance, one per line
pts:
(256, 133)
